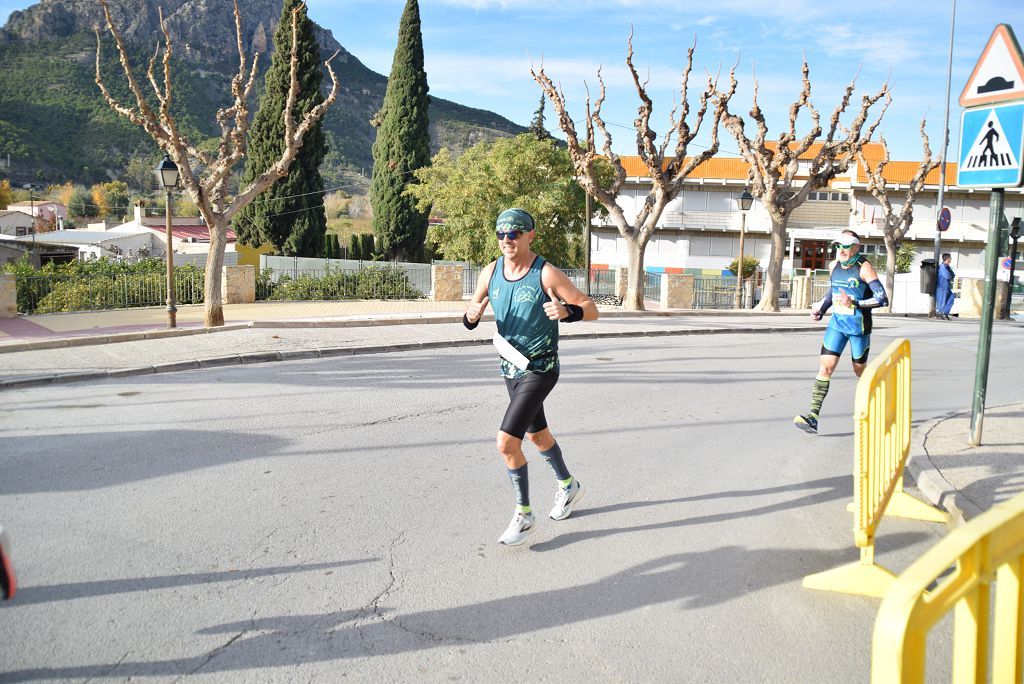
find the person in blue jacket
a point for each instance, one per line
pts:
(944, 288)
(529, 297)
(854, 293)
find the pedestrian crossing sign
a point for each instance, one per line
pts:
(991, 146)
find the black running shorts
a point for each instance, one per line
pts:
(525, 411)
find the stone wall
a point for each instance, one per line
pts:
(447, 280)
(238, 284)
(676, 291)
(8, 296)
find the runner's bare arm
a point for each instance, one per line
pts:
(478, 304)
(561, 290)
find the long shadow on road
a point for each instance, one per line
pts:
(293, 640)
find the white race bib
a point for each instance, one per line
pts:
(510, 353)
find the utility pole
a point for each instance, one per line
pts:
(942, 163)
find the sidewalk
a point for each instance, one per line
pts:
(56, 348)
(962, 479)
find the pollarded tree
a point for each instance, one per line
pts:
(290, 214)
(402, 146)
(783, 173)
(207, 177)
(667, 173)
(896, 222)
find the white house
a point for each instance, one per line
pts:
(45, 210)
(699, 231)
(14, 222)
(189, 235)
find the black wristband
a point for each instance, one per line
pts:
(575, 313)
(469, 326)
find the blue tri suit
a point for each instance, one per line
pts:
(848, 324)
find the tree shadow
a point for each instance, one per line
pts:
(696, 580)
(77, 462)
(76, 590)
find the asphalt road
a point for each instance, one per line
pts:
(309, 520)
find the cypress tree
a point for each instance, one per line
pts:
(290, 215)
(353, 247)
(402, 146)
(537, 125)
(367, 249)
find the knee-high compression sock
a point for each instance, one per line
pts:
(818, 395)
(521, 482)
(554, 458)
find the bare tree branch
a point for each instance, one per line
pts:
(210, 192)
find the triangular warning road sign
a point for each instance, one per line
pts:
(999, 74)
(990, 149)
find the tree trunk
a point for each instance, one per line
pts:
(773, 276)
(214, 313)
(634, 300)
(890, 268)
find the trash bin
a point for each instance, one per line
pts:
(928, 276)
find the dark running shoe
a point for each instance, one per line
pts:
(807, 424)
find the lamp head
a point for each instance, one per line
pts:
(746, 200)
(167, 173)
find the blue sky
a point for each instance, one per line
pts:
(479, 52)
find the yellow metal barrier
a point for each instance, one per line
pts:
(989, 547)
(881, 446)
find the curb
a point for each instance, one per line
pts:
(930, 482)
(382, 320)
(300, 354)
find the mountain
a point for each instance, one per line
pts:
(54, 124)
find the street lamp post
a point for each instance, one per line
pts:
(745, 200)
(167, 175)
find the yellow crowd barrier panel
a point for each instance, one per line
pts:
(989, 547)
(881, 446)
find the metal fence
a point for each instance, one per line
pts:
(652, 286)
(52, 294)
(375, 280)
(714, 292)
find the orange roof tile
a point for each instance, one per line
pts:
(903, 171)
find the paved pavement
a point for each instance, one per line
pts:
(90, 346)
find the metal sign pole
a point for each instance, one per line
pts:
(987, 314)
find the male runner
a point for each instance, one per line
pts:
(855, 291)
(529, 297)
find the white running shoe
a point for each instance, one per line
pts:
(566, 499)
(518, 530)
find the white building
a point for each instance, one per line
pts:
(189, 234)
(699, 231)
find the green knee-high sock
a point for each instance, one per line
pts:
(818, 395)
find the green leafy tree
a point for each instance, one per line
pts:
(402, 147)
(81, 204)
(290, 215)
(111, 199)
(523, 171)
(750, 265)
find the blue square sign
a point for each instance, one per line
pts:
(991, 146)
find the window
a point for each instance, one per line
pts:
(828, 196)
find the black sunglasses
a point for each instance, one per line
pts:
(510, 234)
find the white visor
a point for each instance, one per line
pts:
(846, 239)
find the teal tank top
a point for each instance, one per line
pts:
(518, 307)
(850, 321)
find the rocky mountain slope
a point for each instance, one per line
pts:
(55, 126)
